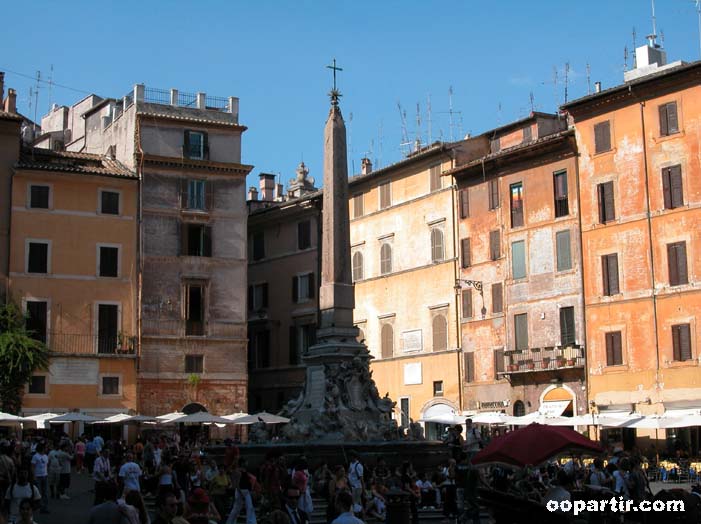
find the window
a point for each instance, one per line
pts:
(602, 137)
(464, 196)
(567, 334)
(37, 385)
(440, 333)
(435, 176)
(109, 261)
(109, 202)
(404, 412)
(521, 331)
(609, 273)
(470, 367)
(498, 362)
(681, 342)
(107, 328)
(302, 337)
(564, 254)
(562, 207)
(196, 146)
(110, 385)
(195, 195)
(38, 257)
(196, 240)
(194, 309)
(466, 257)
(527, 134)
(516, 191)
(669, 122)
(385, 259)
(497, 301)
(493, 194)
(357, 266)
(257, 296)
(437, 247)
(676, 262)
(672, 187)
(437, 388)
(607, 209)
(39, 196)
(358, 205)
(194, 364)
(37, 319)
(519, 408)
(614, 350)
(494, 245)
(258, 245)
(387, 340)
(466, 303)
(385, 195)
(259, 349)
(303, 288)
(304, 234)
(518, 259)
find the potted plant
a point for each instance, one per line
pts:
(513, 367)
(530, 364)
(561, 361)
(570, 362)
(545, 363)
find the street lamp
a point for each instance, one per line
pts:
(476, 284)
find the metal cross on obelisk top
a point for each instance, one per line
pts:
(335, 93)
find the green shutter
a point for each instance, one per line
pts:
(564, 255)
(518, 259)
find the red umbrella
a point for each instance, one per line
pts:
(533, 444)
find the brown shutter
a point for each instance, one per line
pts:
(681, 263)
(183, 193)
(617, 348)
(602, 137)
(676, 348)
(600, 200)
(466, 256)
(609, 205)
(684, 342)
(676, 190)
(673, 264)
(186, 145)
(312, 286)
(672, 119)
(609, 349)
(497, 300)
(295, 294)
(208, 195)
(498, 362)
(613, 273)
(493, 194)
(469, 367)
(605, 275)
(667, 187)
(464, 203)
(466, 303)
(494, 247)
(664, 129)
(521, 331)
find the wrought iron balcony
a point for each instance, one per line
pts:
(539, 359)
(72, 344)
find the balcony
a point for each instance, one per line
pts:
(179, 328)
(531, 360)
(101, 345)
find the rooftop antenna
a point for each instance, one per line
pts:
(567, 78)
(625, 58)
(417, 141)
(450, 110)
(652, 39)
(405, 137)
(35, 94)
(588, 79)
(635, 58)
(428, 114)
(532, 99)
(379, 147)
(51, 83)
(499, 115)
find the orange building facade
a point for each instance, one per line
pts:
(641, 234)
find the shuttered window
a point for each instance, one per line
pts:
(387, 340)
(609, 273)
(669, 121)
(527, 134)
(564, 254)
(516, 195)
(109, 261)
(497, 300)
(466, 256)
(435, 176)
(518, 259)
(464, 203)
(607, 208)
(494, 245)
(470, 367)
(466, 303)
(567, 333)
(437, 246)
(303, 287)
(672, 187)
(498, 362)
(681, 342)
(493, 194)
(385, 195)
(614, 349)
(357, 266)
(676, 261)
(562, 207)
(358, 206)
(196, 241)
(258, 245)
(257, 296)
(521, 331)
(602, 137)
(38, 257)
(304, 234)
(440, 333)
(385, 259)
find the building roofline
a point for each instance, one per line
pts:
(97, 106)
(44, 160)
(4, 115)
(518, 123)
(284, 204)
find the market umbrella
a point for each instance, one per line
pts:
(41, 420)
(539, 418)
(533, 445)
(267, 418)
(235, 416)
(201, 417)
(445, 418)
(10, 420)
(74, 416)
(123, 418)
(491, 417)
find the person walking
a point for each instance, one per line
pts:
(19, 491)
(64, 460)
(40, 463)
(344, 501)
(102, 473)
(242, 497)
(355, 479)
(129, 475)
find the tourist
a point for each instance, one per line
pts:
(278, 517)
(166, 480)
(300, 480)
(129, 474)
(210, 471)
(271, 475)
(242, 496)
(321, 479)
(19, 491)
(473, 438)
(99, 444)
(355, 480)
(598, 476)
(296, 515)
(7, 466)
(149, 458)
(619, 478)
(219, 488)
(80, 455)
(344, 502)
(40, 463)
(166, 508)
(427, 491)
(200, 509)
(108, 512)
(65, 459)
(135, 500)
(102, 474)
(26, 512)
(91, 454)
(54, 473)
(376, 506)
(339, 484)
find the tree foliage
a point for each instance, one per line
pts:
(20, 357)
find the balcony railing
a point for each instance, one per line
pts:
(181, 328)
(539, 359)
(71, 344)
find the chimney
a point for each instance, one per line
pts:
(280, 192)
(267, 187)
(11, 101)
(366, 166)
(597, 87)
(2, 87)
(252, 193)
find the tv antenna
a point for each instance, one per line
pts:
(51, 84)
(34, 92)
(653, 37)
(428, 114)
(451, 112)
(532, 100)
(417, 140)
(379, 147)
(625, 58)
(588, 79)
(567, 78)
(404, 145)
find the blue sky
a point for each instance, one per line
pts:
(272, 55)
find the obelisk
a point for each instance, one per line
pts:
(340, 400)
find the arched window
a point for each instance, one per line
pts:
(519, 409)
(437, 247)
(440, 333)
(357, 266)
(387, 342)
(385, 259)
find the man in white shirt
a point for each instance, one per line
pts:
(129, 474)
(40, 463)
(19, 491)
(344, 501)
(355, 479)
(102, 473)
(473, 438)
